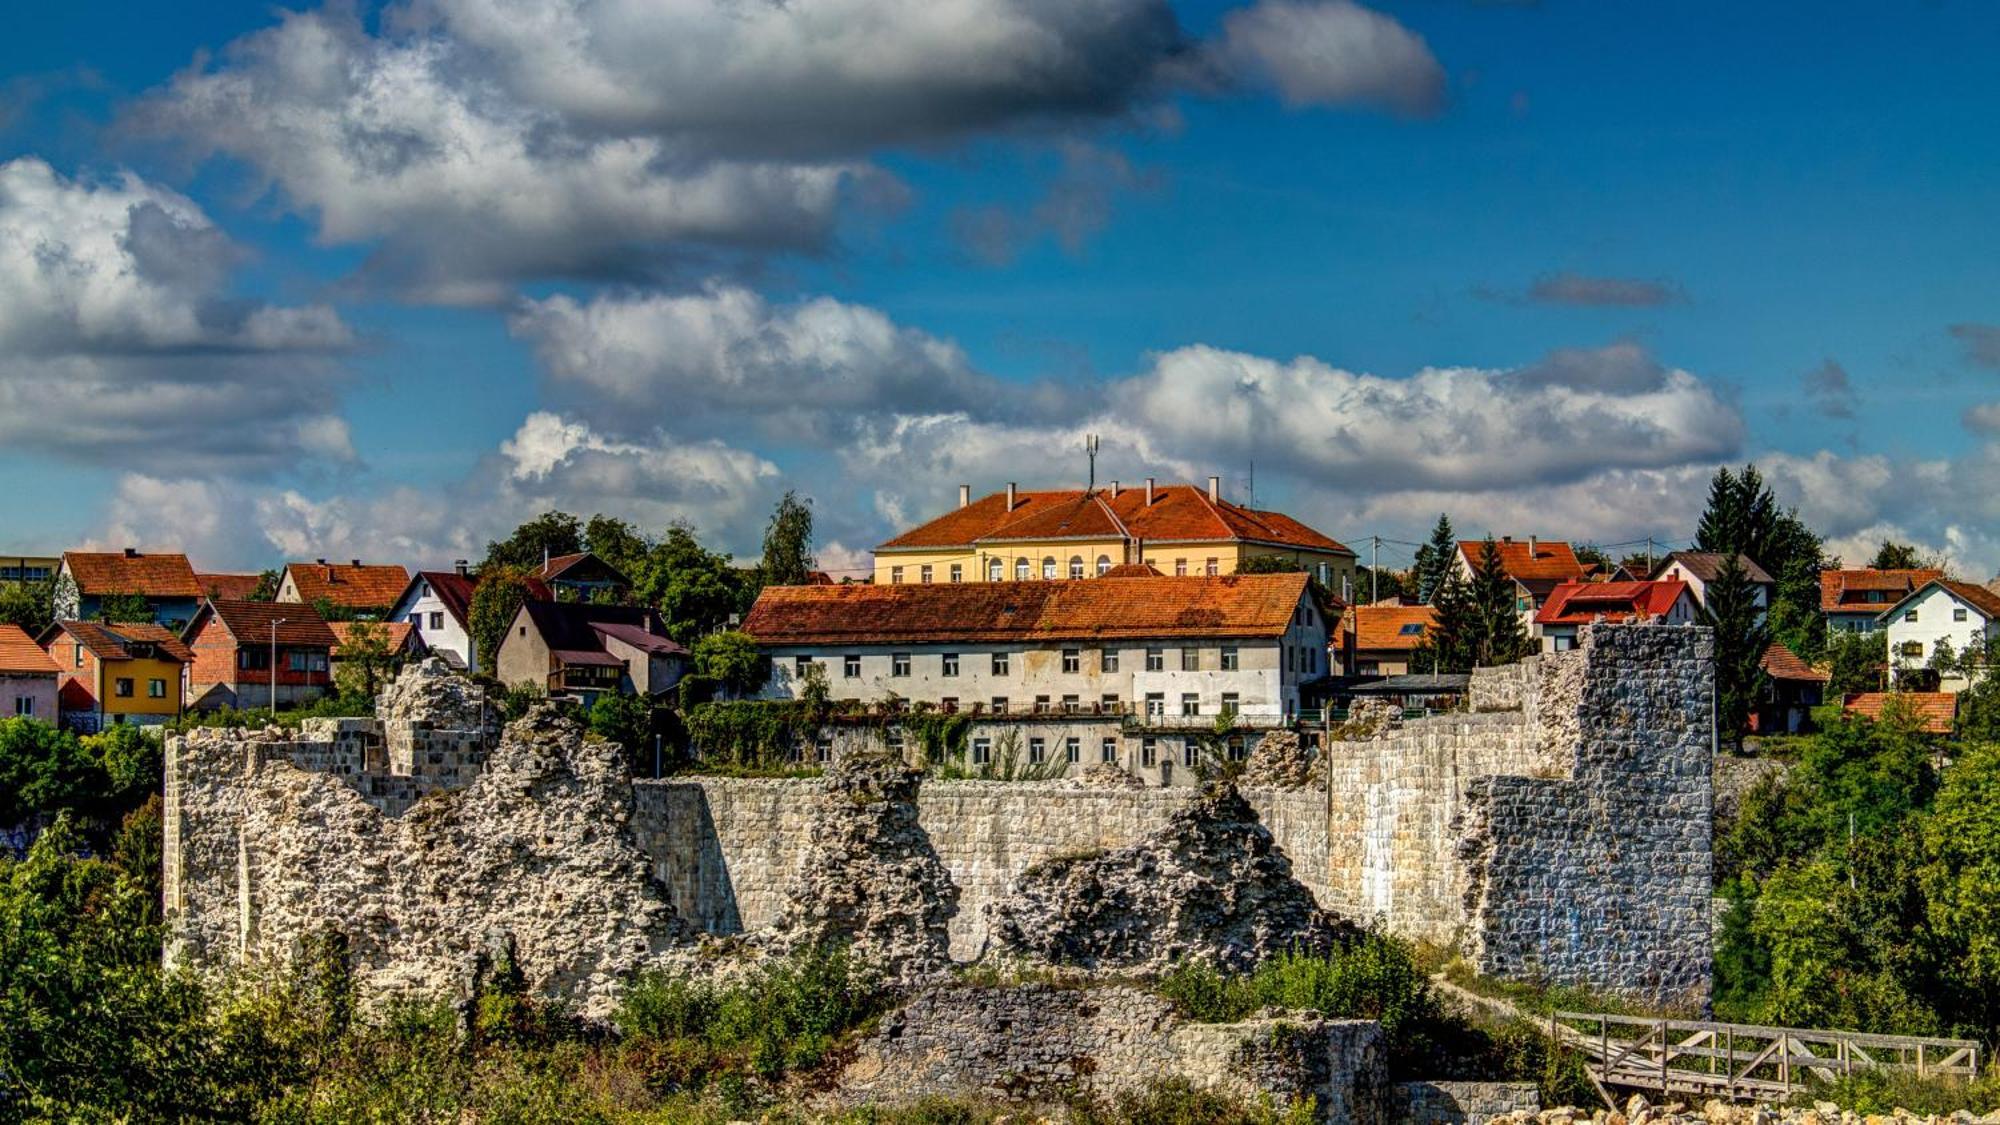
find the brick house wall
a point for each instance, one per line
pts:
(216, 663)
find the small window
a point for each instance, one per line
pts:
(123, 688)
(1021, 570)
(1072, 660)
(1910, 615)
(1107, 660)
(1229, 658)
(24, 705)
(899, 664)
(524, 630)
(1212, 567)
(1073, 750)
(1049, 569)
(999, 705)
(1189, 753)
(1038, 751)
(1149, 752)
(1103, 564)
(1107, 751)
(924, 574)
(437, 621)
(1190, 704)
(982, 751)
(850, 665)
(1190, 659)
(802, 665)
(1237, 748)
(958, 572)
(895, 576)
(948, 664)
(1156, 704)
(1109, 703)
(1411, 629)
(823, 750)
(156, 689)
(1913, 648)
(1071, 704)
(1167, 772)
(893, 739)
(296, 661)
(79, 656)
(1041, 705)
(423, 589)
(1076, 566)
(1180, 568)
(949, 704)
(1958, 614)
(1156, 660)
(995, 570)
(1230, 702)
(999, 663)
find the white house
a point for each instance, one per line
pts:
(1119, 669)
(1699, 568)
(438, 606)
(1938, 614)
(1536, 566)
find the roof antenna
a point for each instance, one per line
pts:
(1090, 448)
(1253, 485)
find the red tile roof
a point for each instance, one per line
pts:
(1935, 710)
(1846, 591)
(1178, 513)
(237, 587)
(1134, 570)
(251, 622)
(116, 572)
(399, 634)
(1402, 628)
(1781, 663)
(110, 642)
(1579, 603)
(455, 590)
(350, 585)
(1546, 559)
(20, 655)
(1242, 605)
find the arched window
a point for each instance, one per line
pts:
(1076, 566)
(995, 570)
(1020, 570)
(1103, 564)
(1049, 568)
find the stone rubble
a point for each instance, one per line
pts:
(430, 692)
(1638, 1111)
(1279, 761)
(1107, 775)
(1210, 886)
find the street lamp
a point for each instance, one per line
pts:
(274, 667)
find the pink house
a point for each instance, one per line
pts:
(27, 677)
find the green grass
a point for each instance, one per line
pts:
(1884, 1091)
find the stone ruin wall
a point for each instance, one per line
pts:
(1567, 838)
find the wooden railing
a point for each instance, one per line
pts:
(1743, 1061)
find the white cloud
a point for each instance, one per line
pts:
(1329, 52)
(119, 337)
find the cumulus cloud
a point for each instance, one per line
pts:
(1328, 52)
(119, 335)
(1981, 343)
(1830, 391)
(1982, 418)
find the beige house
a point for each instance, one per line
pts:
(582, 651)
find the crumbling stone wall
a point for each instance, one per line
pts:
(1460, 1103)
(1042, 1041)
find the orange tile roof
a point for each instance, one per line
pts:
(1386, 627)
(1781, 663)
(109, 642)
(238, 587)
(1548, 559)
(1178, 513)
(398, 632)
(1845, 591)
(116, 572)
(251, 622)
(1134, 570)
(1241, 605)
(1935, 710)
(20, 655)
(1579, 603)
(352, 585)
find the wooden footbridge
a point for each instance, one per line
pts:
(1742, 1062)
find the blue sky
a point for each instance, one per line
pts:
(1543, 266)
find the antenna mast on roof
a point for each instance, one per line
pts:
(1090, 449)
(1252, 490)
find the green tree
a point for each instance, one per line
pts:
(330, 610)
(616, 542)
(30, 605)
(1437, 560)
(731, 659)
(1743, 516)
(124, 609)
(1892, 555)
(788, 542)
(495, 601)
(268, 582)
(541, 538)
(1856, 662)
(44, 771)
(1452, 645)
(1498, 636)
(1732, 611)
(365, 660)
(1961, 839)
(694, 589)
(628, 721)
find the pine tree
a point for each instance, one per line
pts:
(1500, 637)
(1450, 644)
(1436, 561)
(1740, 640)
(1743, 516)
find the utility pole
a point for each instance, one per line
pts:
(274, 667)
(1374, 568)
(1090, 449)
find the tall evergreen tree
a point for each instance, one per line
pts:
(1451, 644)
(1740, 640)
(1743, 516)
(1500, 636)
(1436, 561)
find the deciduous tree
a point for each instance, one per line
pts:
(541, 538)
(495, 601)
(788, 543)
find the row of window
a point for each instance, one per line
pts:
(24, 574)
(1957, 614)
(1001, 663)
(123, 688)
(296, 660)
(1108, 703)
(1024, 569)
(981, 751)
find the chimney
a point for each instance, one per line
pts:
(1149, 492)
(965, 496)
(321, 562)
(1214, 489)
(356, 562)
(459, 565)
(1010, 495)
(131, 552)
(1531, 547)
(1114, 496)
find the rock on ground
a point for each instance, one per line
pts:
(1212, 886)
(1638, 1111)
(870, 876)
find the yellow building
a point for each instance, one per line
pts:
(1178, 529)
(122, 673)
(28, 568)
